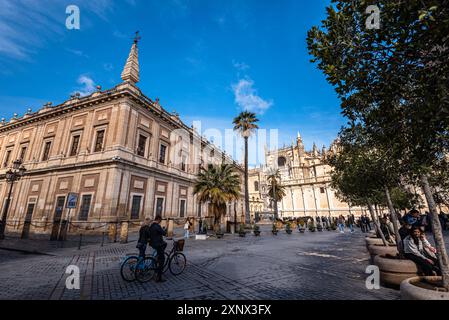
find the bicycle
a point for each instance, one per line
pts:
(128, 266)
(176, 262)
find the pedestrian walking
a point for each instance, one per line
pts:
(341, 224)
(186, 228)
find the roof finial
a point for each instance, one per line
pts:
(137, 38)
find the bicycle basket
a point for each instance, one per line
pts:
(180, 245)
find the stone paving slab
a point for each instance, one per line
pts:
(322, 265)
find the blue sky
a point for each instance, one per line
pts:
(205, 59)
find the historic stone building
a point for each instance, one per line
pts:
(118, 151)
(306, 179)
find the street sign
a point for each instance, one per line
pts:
(72, 200)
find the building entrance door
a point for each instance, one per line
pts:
(27, 222)
(60, 201)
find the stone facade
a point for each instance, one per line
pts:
(123, 155)
(306, 179)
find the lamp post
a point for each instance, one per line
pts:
(12, 175)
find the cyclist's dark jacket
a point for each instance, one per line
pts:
(144, 234)
(156, 235)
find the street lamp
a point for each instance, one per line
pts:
(12, 175)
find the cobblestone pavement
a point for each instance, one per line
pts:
(321, 265)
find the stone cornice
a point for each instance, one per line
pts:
(98, 98)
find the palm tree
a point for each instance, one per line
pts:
(217, 185)
(276, 191)
(245, 124)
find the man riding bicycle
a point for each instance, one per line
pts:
(157, 243)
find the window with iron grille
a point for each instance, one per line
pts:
(23, 152)
(135, 208)
(99, 141)
(159, 206)
(7, 158)
(47, 148)
(75, 145)
(85, 207)
(162, 153)
(182, 208)
(141, 145)
(183, 163)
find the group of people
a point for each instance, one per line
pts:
(413, 242)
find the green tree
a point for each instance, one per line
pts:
(217, 186)
(246, 124)
(393, 81)
(276, 191)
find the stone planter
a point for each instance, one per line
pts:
(376, 250)
(372, 241)
(219, 235)
(417, 289)
(393, 270)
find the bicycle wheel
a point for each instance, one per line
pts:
(177, 263)
(128, 267)
(145, 270)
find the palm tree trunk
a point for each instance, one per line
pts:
(247, 214)
(437, 232)
(394, 219)
(376, 225)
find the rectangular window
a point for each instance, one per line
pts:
(162, 153)
(60, 202)
(99, 141)
(23, 153)
(322, 190)
(7, 158)
(46, 153)
(135, 208)
(75, 145)
(141, 146)
(159, 206)
(182, 208)
(85, 207)
(183, 163)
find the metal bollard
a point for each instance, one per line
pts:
(81, 239)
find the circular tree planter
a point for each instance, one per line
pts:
(394, 270)
(423, 288)
(376, 250)
(372, 241)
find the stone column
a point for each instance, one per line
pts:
(124, 232)
(112, 231)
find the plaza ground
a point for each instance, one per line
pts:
(320, 265)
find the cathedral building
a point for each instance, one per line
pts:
(118, 154)
(306, 179)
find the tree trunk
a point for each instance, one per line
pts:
(247, 214)
(276, 212)
(394, 219)
(437, 232)
(376, 225)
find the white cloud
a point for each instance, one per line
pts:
(247, 98)
(88, 85)
(240, 66)
(26, 26)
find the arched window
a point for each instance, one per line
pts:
(282, 161)
(256, 185)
